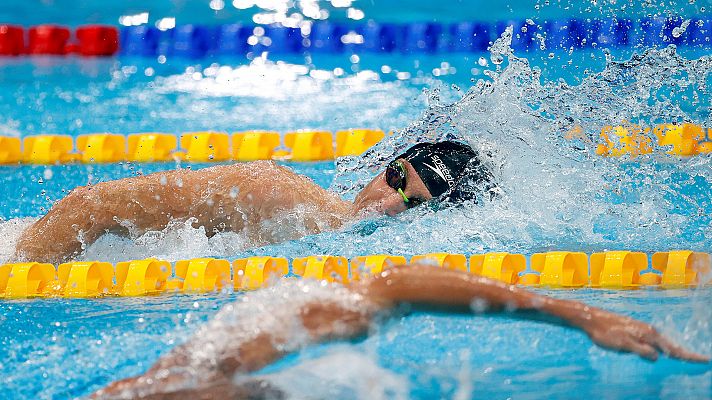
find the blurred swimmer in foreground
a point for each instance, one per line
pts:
(261, 326)
(266, 202)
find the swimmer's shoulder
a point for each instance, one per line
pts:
(246, 174)
(261, 170)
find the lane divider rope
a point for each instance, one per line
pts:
(556, 269)
(195, 147)
(88, 40)
(198, 41)
(302, 146)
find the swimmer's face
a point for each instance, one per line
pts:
(380, 198)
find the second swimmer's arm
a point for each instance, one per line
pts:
(415, 284)
(428, 285)
(242, 349)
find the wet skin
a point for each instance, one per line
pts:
(178, 375)
(238, 198)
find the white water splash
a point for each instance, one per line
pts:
(10, 231)
(178, 241)
(362, 379)
(555, 193)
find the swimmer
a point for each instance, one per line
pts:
(266, 202)
(262, 326)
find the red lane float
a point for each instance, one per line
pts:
(48, 39)
(12, 41)
(88, 40)
(97, 40)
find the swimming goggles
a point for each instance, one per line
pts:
(396, 176)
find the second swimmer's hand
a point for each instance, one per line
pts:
(625, 334)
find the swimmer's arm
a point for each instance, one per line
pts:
(152, 201)
(419, 284)
(60, 233)
(174, 376)
(322, 320)
(87, 212)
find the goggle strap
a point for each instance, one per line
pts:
(404, 196)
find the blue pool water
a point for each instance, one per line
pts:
(93, 11)
(555, 195)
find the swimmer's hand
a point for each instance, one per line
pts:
(625, 334)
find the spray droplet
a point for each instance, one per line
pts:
(679, 30)
(48, 174)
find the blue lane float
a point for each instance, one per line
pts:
(326, 37)
(193, 41)
(613, 32)
(284, 40)
(198, 41)
(423, 38)
(232, 39)
(469, 37)
(700, 33)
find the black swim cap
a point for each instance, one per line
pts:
(441, 165)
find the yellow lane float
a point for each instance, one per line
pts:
(621, 140)
(356, 141)
(677, 139)
(23, 280)
(682, 267)
(322, 267)
(254, 145)
(650, 279)
(205, 146)
(443, 260)
(101, 148)
(373, 264)
(503, 267)
(561, 268)
(201, 275)
(307, 145)
(147, 147)
(558, 269)
(84, 279)
(10, 152)
(48, 149)
(256, 272)
(681, 139)
(141, 277)
(528, 279)
(617, 268)
(310, 145)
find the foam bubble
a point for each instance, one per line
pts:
(178, 241)
(10, 231)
